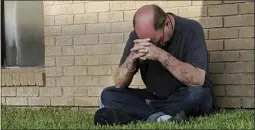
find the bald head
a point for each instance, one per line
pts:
(147, 20)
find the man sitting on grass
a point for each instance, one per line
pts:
(171, 53)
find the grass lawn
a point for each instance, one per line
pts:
(64, 118)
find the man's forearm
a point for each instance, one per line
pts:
(123, 77)
(184, 72)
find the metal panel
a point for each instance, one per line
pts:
(24, 33)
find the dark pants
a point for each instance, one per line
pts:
(139, 104)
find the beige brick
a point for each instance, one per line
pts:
(111, 16)
(126, 37)
(237, 67)
(240, 90)
(78, 8)
(48, 20)
(246, 8)
(50, 81)
(206, 34)
(99, 70)
(117, 48)
(86, 80)
(94, 91)
(122, 5)
(202, 2)
(63, 19)
(137, 80)
(233, 1)
(121, 27)
(39, 78)
(239, 44)
(38, 101)
(49, 41)
(52, 91)
(52, 30)
(106, 81)
(53, 71)
(72, 8)
(28, 91)
(15, 78)
(52, 51)
(193, 11)
(65, 61)
(65, 81)
(224, 56)
(8, 79)
(80, 50)
(99, 49)
(248, 102)
(98, 28)
(129, 15)
(210, 22)
(62, 101)
(16, 101)
(176, 3)
(97, 7)
(75, 70)
(228, 102)
(8, 91)
(47, 2)
(85, 39)
(2, 79)
(216, 67)
(68, 50)
(109, 59)
(62, 2)
(220, 33)
(73, 29)
(85, 18)
(23, 79)
(31, 78)
(238, 20)
(172, 10)
(248, 78)
(66, 9)
(86, 60)
(225, 9)
(86, 101)
(75, 91)
(226, 79)
(50, 61)
(214, 45)
(139, 4)
(246, 32)
(219, 90)
(111, 38)
(247, 55)
(52, 10)
(3, 102)
(64, 40)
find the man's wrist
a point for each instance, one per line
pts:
(164, 58)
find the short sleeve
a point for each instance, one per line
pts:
(129, 45)
(197, 51)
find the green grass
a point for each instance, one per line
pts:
(64, 118)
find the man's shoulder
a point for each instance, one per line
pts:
(188, 24)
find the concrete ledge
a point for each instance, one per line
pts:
(27, 76)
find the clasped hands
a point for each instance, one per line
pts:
(143, 49)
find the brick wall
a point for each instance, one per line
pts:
(84, 41)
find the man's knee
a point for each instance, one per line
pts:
(199, 93)
(108, 94)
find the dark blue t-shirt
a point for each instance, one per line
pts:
(187, 44)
